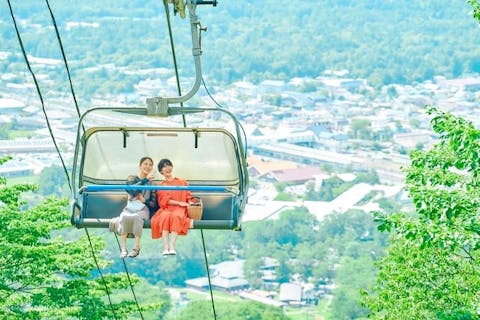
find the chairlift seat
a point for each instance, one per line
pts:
(98, 207)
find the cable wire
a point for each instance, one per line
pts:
(64, 57)
(67, 68)
(39, 94)
(222, 107)
(129, 280)
(208, 275)
(101, 274)
(174, 56)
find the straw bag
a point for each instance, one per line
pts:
(195, 210)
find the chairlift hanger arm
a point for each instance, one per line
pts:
(159, 105)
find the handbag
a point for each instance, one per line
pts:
(195, 210)
(134, 205)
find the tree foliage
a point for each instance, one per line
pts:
(432, 267)
(53, 181)
(45, 276)
(200, 310)
(476, 9)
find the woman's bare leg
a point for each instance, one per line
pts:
(165, 236)
(123, 241)
(137, 242)
(173, 241)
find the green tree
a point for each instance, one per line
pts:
(360, 128)
(53, 182)
(253, 262)
(371, 177)
(308, 258)
(283, 270)
(44, 276)
(431, 270)
(476, 9)
(4, 131)
(200, 310)
(308, 86)
(352, 275)
(273, 99)
(384, 134)
(389, 205)
(330, 189)
(280, 186)
(284, 196)
(392, 92)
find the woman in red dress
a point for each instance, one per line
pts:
(171, 219)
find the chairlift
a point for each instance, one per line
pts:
(212, 160)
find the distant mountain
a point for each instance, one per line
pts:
(384, 41)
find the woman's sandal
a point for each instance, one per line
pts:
(123, 253)
(135, 252)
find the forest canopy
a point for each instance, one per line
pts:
(382, 41)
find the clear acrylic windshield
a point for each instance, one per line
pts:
(205, 156)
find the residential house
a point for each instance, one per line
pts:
(225, 276)
(269, 276)
(291, 293)
(298, 175)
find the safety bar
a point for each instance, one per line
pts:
(108, 187)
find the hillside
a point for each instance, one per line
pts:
(382, 41)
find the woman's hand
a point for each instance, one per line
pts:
(181, 204)
(141, 198)
(178, 203)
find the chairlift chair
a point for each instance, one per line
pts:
(212, 160)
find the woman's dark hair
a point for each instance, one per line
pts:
(143, 159)
(163, 163)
